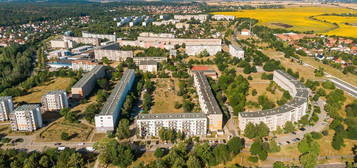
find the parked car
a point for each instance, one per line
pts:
(57, 144)
(288, 142)
(294, 133)
(61, 148)
(302, 129)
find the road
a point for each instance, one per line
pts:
(344, 86)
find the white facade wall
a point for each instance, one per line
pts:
(223, 17)
(6, 107)
(114, 55)
(59, 44)
(83, 65)
(28, 119)
(100, 36)
(235, 51)
(54, 101)
(197, 49)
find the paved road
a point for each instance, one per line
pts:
(344, 86)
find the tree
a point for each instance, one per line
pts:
(279, 164)
(44, 161)
(105, 60)
(221, 153)
(193, 162)
(235, 145)
(289, 127)
(123, 130)
(274, 147)
(75, 161)
(159, 152)
(101, 96)
(337, 141)
(250, 131)
(103, 83)
(308, 160)
(263, 130)
(187, 106)
(65, 136)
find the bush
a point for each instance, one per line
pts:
(253, 159)
(178, 105)
(324, 132)
(316, 135)
(65, 136)
(160, 152)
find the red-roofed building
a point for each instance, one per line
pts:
(209, 72)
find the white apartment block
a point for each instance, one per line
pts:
(191, 124)
(112, 52)
(236, 51)
(208, 102)
(110, 37)
(109, 116)
(85, 65)
(26, 118)
(201, 18)
(291, 111)
(6, 107)
(54, 100)
(168, 41)
(223, 17)
(148, 66)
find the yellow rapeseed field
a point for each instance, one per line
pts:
(347, 25)
(292, 18)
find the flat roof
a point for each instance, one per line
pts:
(300, 98)
(2, 98)
(88, 76)
(26, 107)
(147, 62)
(56, 92)
(208, 97)
(236, 47)
(170, 116)
(112, 101)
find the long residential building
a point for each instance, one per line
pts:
(191, 124)
(54, 100)
(108, 118)
(87, 83)
(110, 37)
(168, 41)
(26, 118)
(137, 60)
(83, 64)
(189, 17)
(208, 102)
(6, 107)
(112, 52)
(291, 111)
(236, 51)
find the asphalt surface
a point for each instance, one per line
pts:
(344, 86)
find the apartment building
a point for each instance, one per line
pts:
(191, 124)
(223, 17)
(81, 40)
(208, 103)
(112, 52)
(291, 111)
(137, 60)
(108, 118)
(168, 41)
(26, 118)
(6, 107)
(201, 18)
(148, 66)
(87, 83)
(83, 64)
(236, 51)
(110, 37)
(54, 100)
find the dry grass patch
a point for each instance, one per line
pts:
(37, 92)
(146, 158)
(79, 132)
(165, 96)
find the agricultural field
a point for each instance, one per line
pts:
(37, 92)
(347, 26)
(292, 18)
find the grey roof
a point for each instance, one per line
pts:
(26, 107)
(83, 81)
(2, 98)
(148, 62)
(170, 116)
(56, 92)
(210, 100)
(236, 47)
(111, 46)
(300, 98)
(117, 93)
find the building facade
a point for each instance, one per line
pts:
(201, 18)
(223, 17)
(108, 118)
(208, 102)
(148, 66)
(112, 52)
(236, 51)
(85, 65)
(54, 100)
(86, 84)
(6, 107)
(191, 124)
(291, 111)
(110, 37)
(26, 118)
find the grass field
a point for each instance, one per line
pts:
(78, 131)
(37, 92)
(165, 96)
(347, 25)
(292, 18)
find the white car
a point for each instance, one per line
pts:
(80, 144)
(61, 148)
(90, 149)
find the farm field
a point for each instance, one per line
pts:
(37, 92)
(291, 18)
(347, 25)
